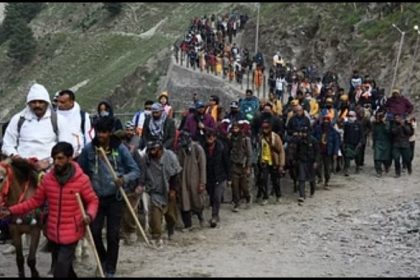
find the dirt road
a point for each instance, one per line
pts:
(363, 226)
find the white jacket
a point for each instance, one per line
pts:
(73, 121)
(37, 137)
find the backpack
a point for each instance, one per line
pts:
(53, 122)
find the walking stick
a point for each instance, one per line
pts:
(124, 195)
(98, 261)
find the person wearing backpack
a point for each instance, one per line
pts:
(240, 164)
(33, 132)
(140, 116)
(77, 120)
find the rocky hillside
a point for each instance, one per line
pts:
(125, 58)
(120, 58)
(342, 36)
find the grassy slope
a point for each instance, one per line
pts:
(68, 56)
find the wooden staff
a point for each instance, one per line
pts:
(133, 214)
(92, 242)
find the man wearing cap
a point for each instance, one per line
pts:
(271, 161)
(107, 188)
(234, 114)
(298, 121)
(398, 104)
(160, 168)
(198, 123)
(249, 106)
(193, 178)
(40, 129)
(132, 142)
(329, 144)
(218, 172)
(159, 127)
(353, 140)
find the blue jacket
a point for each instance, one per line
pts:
(333, 141)
(98, 172)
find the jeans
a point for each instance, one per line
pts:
(111, 209)
(215, 191)
(62, 257)
(302, 188)
(157, 213)
(398, 152)
(266, 170)
(239, 183)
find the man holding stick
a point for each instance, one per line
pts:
(65, 223)
(107, 188)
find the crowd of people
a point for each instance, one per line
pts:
(314, 134)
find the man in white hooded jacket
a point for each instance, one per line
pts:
(36, 135)
(80, 128)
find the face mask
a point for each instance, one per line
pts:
(308, 98)
(104, 114)
(266, 114)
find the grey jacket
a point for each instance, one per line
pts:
(99, 173)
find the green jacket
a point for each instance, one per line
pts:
(381, 136)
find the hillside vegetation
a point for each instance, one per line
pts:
(124, 57)
(120, 58)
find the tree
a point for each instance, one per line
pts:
(15, 12)
(114, 8)
(22, 45)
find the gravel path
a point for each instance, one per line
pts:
(362, 227)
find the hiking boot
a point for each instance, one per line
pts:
(213, 222)
(235, 208)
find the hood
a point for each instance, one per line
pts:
(108, 105)
(38, 92)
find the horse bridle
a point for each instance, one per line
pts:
(6, 187)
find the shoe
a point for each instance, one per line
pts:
(378, 174)
(397, 176)
(278, 199)
(264, 202)
(235, 208)
(213, 223)
(109, 275)
(9, 250)
(247, 205)
(346, 174)
(158, 243)
(300, 199)
(312, 195)
(357, 169)
(409, 171)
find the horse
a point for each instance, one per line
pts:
(18, 182)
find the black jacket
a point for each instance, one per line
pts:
(401, 134)
(217, 164)
(353, 133)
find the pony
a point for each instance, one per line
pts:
(18, 182)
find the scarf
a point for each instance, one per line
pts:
(62, 179)
(156, 126)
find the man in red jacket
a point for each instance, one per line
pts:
(65, 224)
